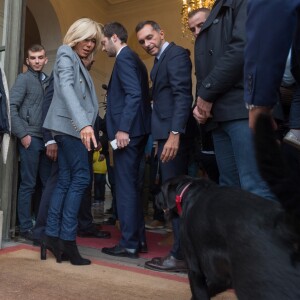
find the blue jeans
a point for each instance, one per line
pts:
(234, 149)
(73, 179)
(33, 162)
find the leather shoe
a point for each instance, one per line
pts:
(27, 235)
(94, 233)
(143, 248)
(120, 251)
(109, 221)
(166, 264)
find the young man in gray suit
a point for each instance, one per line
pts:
(172, 100)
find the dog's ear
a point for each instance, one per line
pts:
(169, 192)
(166, 199)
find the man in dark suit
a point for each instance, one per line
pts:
(128, 122)
(172, 100)
(271, 27)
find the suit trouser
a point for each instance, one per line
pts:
(129, 202)
(176, 167)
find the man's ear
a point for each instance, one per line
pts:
(114, 38)
(46, 60)
(162, 34)
(27, 61)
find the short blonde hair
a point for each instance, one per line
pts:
(82, 29)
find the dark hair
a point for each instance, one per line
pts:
(116, 28)
(35, 48)
(193, 12)
(141, 25)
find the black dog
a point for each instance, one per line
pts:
(234, 239)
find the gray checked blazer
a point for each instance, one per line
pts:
(74, 104)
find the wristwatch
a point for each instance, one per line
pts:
(252, 106)
(175, 132)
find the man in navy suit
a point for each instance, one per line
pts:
(172, 101)
(271, 27)
(128, 121)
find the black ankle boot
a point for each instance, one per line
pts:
(53, 244)
(70, 249)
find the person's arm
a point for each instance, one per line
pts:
(47, 135)
(267, 48)
(17, 95)
(50, 144)
(130, 82)
(270, 27)
(179, 70)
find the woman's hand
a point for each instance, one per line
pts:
(87, 136)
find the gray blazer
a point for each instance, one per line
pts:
(74, 104)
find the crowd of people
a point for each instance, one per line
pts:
(55, 119)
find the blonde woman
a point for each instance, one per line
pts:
(71, 117)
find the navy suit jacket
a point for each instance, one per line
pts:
(171, 92)
(271, 28)
(128, 103)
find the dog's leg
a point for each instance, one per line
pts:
(198, 286)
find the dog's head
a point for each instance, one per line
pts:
(170, 190)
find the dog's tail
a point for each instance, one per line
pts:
(283, 180)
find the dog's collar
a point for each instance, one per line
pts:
(179, 198)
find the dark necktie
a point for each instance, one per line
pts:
(154, 68)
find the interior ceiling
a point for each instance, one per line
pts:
(116, 1)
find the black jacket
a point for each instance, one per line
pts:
(219, 60)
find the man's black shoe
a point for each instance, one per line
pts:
(94, 233)
(109, 221)
(143, 248)
(109, 211)
(36, 242)
(27, 235)
(120, 251)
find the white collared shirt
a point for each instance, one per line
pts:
(163, 48)
(120, 50)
